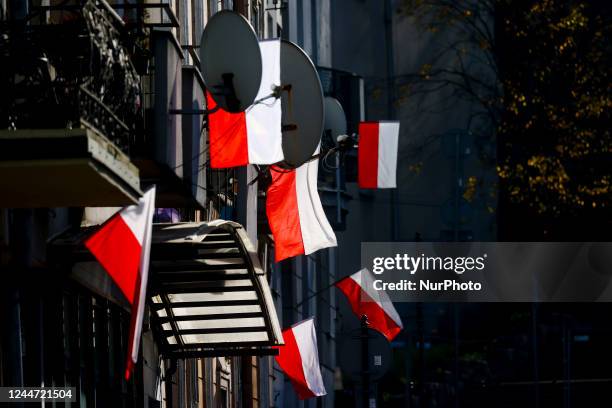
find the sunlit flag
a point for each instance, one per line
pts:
(375, 304)
(122, 245)
(377, 154)
(253, 136)
(295, 214)
(299, 359)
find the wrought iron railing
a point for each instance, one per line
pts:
(66, 67)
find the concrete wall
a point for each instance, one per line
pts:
(168, 74)
(310, 26)
(193, 136)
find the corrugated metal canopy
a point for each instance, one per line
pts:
(209, 293)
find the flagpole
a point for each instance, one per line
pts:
(317, 293)
(320, 291)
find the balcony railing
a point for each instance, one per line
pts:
(66, 67)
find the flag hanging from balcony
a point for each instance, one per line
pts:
(375, 304)
(377, 155)
(253, 136)
(122, 245)
(299, 360)
(295, 214)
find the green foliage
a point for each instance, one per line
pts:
(542, 80)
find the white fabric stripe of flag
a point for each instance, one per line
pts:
(263, 120)
(317, 233)
(133, 216)
(365, 280)
(306, 339)
(149, 209)
(388, 136)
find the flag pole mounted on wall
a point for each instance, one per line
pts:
(122, 245)
(366, 301)
(374, 310)
(299, 359)
(375, 304)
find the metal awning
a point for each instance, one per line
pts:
(210, 296)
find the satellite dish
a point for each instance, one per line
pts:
(335, 119)
(230, 61)
(302, 105)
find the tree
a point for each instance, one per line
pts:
(539, 71)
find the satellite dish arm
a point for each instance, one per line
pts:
(344, 143)
(276, 94)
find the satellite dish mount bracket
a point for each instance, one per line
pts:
(233, 103)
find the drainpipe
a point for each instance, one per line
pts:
(168, 373)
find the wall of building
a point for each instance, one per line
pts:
(55, 330)
(301, 285)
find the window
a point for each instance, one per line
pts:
(257, 18)
(79, 340)
(213, 7)
(197, 23)
(216, 5)
(185, 18)
(270, 27)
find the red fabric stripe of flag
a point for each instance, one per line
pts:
(376, 305)
(295, 214)
(122, 246)
(227, 137)
(283, 214)
(299, 360)
(377, 154)
(253, 136)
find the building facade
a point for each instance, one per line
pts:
(86, 110)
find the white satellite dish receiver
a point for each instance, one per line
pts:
(302, 105)
(335, 119)
(230, 61)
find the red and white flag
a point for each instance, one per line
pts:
(375, 304)
(299, 359)
(295, 214)
(253, 136)
(122, 245)
(377, 155)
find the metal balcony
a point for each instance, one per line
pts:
(70, 107)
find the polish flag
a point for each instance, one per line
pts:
(122, 245)
(253, 136)
(375, 304)
(295, 214)
(377, 155)
(299, 360)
